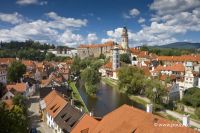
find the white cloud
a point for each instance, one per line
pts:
(92, 37)
(14, 18)
(141, 20)
(58, 30)
(31, 2)
(173, 6)
(170, 18)
(62, 22)
(134, 12)
(69, 38)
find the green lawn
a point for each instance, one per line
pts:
(77, 96)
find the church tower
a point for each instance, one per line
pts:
(124, 36)
(116, 57)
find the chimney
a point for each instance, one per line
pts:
(81, 109)
(186, 120)
(91, 114)
(181, 92)
(72, 102)
(149, 108)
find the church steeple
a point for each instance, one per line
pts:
(124, 36)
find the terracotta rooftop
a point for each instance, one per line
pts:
(86, 123)
(180, 58)
(28, 63)
(108, 65)
(164, 77)
(9, 103)
(107, 44)
(19, 87)
(54, 103)
(127, 119)
(146, 70)
(179, 67)
(6, 60)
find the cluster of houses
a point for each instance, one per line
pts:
(38, 75)
(63, 116)
(59, 111)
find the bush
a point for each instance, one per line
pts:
(197, 112)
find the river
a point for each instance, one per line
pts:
(107, 99)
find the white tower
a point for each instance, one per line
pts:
(124, 42)
(116, 58)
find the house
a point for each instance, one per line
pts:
(177, 69)
(53, 103)
(55, 79)
(6, 61)
(63, 69)
(58, 113)
(127, 119)
(67, 118)
(9, 94)
(169, 60)
(173, 93)
(30, 65)
(3, 73)
(22, 88)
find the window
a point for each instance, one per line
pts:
(67, 119)
(52, 107)
(62, 116)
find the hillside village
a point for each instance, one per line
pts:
(49, 88)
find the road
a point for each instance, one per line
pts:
(34, 115)
(180, 117)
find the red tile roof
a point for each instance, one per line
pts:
(9, 103)
(54, 103)
(108, 65)
(107, 44)
(6, 60)
(28, 63)
(179, 67)
(127, 119)
(19, 87)
(180, 58)
(164, 77)
(86, 123)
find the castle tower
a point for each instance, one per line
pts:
(116, 57)
(124, 36)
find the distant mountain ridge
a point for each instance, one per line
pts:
(181, 45)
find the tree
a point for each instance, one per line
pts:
(49, 56)
(191, 97)
(102, 56)
(133, 81)
(197, 112)
(19, 100)
(13, 121)
(1, 88)
(16, 71)
(75, 67)
(90, 77)
(125, 58)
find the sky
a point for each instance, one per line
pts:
(75, 22)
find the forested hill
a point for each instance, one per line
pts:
(30, 50)
(181, 45)
(15, 45)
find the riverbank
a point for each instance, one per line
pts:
(138, 99)
(77, 96)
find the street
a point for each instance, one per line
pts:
(34, 115)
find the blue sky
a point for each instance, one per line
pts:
(74, 22)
